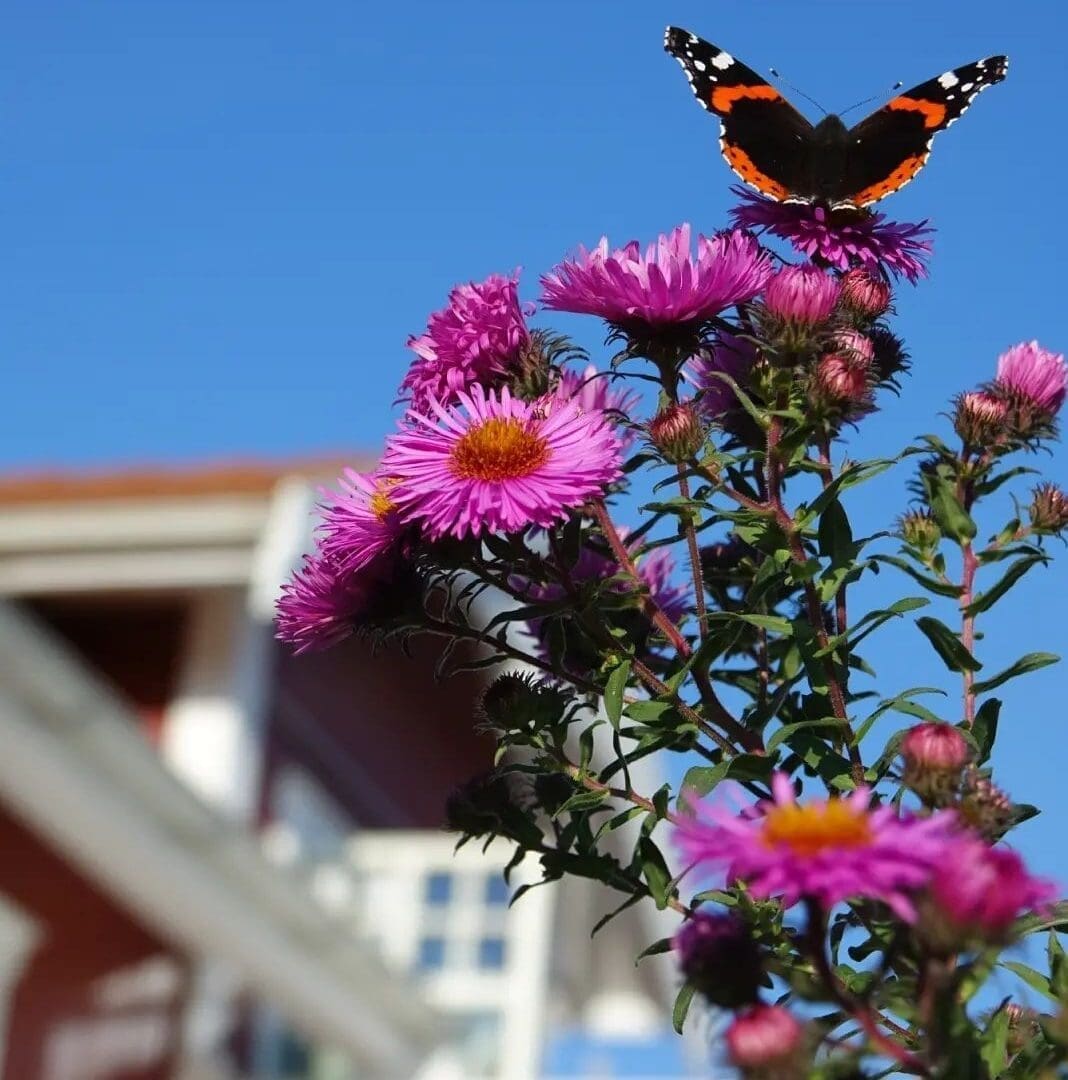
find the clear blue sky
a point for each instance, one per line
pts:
(221, 221)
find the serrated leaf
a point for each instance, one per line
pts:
(948, 646)
(682, 1006)
(1030, 662)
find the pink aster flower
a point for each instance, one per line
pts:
(982, 890)
(1035, 374)
(360, 521)
(765, 1040)
(594, 392)
(320, 604)
(840, 238)
(731, 356)
(664, 287)
(827, 850)
(476, 338)
(497, 464)
(801, 294)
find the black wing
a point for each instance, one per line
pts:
(888, 148)
(764, 138)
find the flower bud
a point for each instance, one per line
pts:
(981, 418)
(486, 805)
(934, 755)
(890, 358)
(919, 530)
(719, 958)
(983, 806)
(798, 301)
(765, 1042)
(515, 702)
(865, 295)
(1049, 509)
(843, 377)
(677, 431)
(976, 893)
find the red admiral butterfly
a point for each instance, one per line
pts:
(772, 147)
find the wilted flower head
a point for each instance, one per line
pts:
(664, 287)
(496, 464)
(765, 1041)
(979, 891)
(677, 431)
(1049, 509)
(515, 701)
(839, 238)
(984, 806)
(804, 295)
(864, 294)
(360, 521)
(1034, 374)
(889, 359)
(476, 338)
(828, 850)
(731, 356)
(321, 604)
(719, 957)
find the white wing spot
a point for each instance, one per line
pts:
(722, 60)
(966, 87)
(699, 64)
(948, 80)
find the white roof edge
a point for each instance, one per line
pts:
(77, 769)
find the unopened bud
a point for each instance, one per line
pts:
(934, 756)
(798, 302)
(919, 530)
(515, 702)
(865, 295)
(984, 806)
(1049, 509)
(719, 958)
(981, 418)
(766, 1042)
(677, 431)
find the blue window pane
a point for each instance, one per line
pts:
(431, 954)
(491, 953)
(438, 888)
(497, 892)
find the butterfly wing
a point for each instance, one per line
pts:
(763, 137)
(888, 148)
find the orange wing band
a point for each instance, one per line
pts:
(897, 179)
(723, 97)
(932, 112)
(743, 165)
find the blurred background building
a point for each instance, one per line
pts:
(224, 861)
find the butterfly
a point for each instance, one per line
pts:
(772, 147)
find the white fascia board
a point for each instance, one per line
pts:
(76, 768)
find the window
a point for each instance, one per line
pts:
(438, 889)
(431, 954)
(498, 892)
(491, 953)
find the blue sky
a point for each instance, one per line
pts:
(221, 223)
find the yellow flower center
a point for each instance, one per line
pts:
(816, 827)
(380, 504)
(500, 448)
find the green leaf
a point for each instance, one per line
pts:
(988, 599)
(657, 947)
(682, 1006)
(835, 534)
(604, 920)
(931, 584)
(985, 728)
(613, 692)
(832, 723)
(655, 871)
(703, 778)
(948, 646)
(1031, 662)
(1034, 979)
(954, 521)
(994, 1050)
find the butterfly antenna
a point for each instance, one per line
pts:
(874, 97)
(801, 93)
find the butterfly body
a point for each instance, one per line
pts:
(772, 147)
